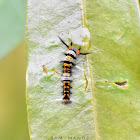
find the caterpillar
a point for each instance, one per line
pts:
(68, 64)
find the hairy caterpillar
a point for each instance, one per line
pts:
(68, 64)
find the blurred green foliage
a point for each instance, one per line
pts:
(13, 117)
(12, 24)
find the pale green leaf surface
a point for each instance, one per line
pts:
(115, 31)
(105, 110)
(12, 24)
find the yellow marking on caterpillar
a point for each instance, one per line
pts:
(66, 83)
(67, 88)
(69, 57)
(66, 70)
(66, 100)
(66, 65)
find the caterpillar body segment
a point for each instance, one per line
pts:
(68, 64)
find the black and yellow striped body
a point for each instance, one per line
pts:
(66, 91)
(68, 63)
(67, 66)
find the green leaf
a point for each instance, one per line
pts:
(12, 25)
(13, 121)
(105, 99)
(13, 118)
(115, 32)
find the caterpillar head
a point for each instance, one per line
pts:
(73, 50)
